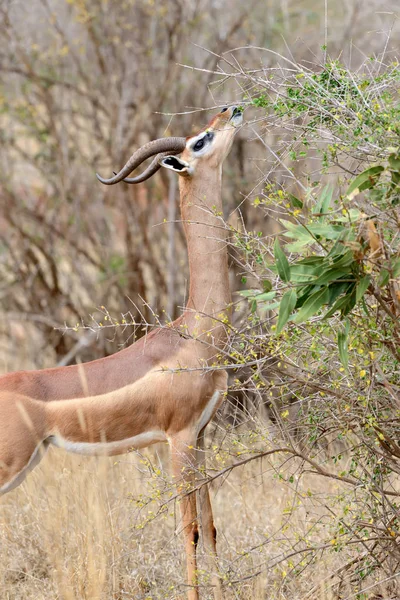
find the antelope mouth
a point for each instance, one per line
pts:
(237, 116)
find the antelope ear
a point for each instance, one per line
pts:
(176, 164)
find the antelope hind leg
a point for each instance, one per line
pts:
(183, 455)
(207, 527)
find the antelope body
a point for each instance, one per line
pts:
(161, 388)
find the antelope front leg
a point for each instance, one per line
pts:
(208, 529)
(183, 454)
(22, 438)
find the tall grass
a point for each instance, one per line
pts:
(89, 529)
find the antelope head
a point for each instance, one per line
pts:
(210, 146)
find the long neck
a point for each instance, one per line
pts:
(209, 294)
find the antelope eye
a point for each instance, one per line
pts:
(198, 145)
(224, 109)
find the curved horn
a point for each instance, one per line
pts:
(169, 145)
(153, 167)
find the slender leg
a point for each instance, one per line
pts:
(21, 439)
(208, 530)
(184, 466)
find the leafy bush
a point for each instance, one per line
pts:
(323, 326)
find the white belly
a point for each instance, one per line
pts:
(103, 448)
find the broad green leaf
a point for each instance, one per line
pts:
(312, 305)
(265, 297)
(362, 287)
(287, 304)
(298, 246)
(248, 293)
(330, 275)
(267, 285)
(365, 180)
(344, 304)
(295, 231)
(311, 260)
(394, 162)
(339, 248)
(339, 304)
(327, 199)
(365, 307)
(295, 202)
(302, 233)
(290, 226)
(266, 306)
(282, 263)
(347, 326)
(336, 289)
(396, 267)
(330, 232)
(343, 349)
(350, 304)
(305, 292)
(344, 261)
(383, 278)
(352, 215)
(324, 200)
(300, 273)
(257, 295)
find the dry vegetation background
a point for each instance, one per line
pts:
(83, 83)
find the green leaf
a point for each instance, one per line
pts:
(304, 293)
(301, 273)
(324, 201)
(295, 231)
(343, 348)
(352, 215)
(344, 304)
(298, 246)
(311, 260)
(312, 305)
(302, 233)
(339, 248)
(287, 304)
(248, 293)
(266, 306)
(383, 278)
(365, 180)
(395, 267)
(339, 304)
(350, 304)
(336, 289)
(257, 295)
(330, 232)
(330, 275)
(345, 260)
(362, 287)
(265, 297)
(267, 285)
(295, 202)
(394, 162)
(282, 263)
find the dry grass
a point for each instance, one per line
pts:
(86, 529)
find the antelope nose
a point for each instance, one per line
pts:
(237, 111)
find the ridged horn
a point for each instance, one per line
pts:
(153, 167)
(163, 145)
